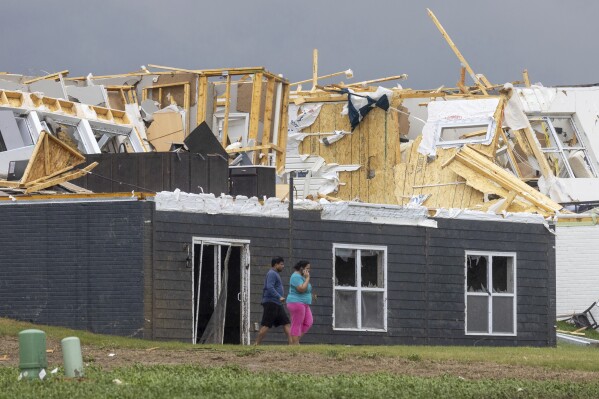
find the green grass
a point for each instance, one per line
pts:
(234, 382)
(563, 357)
(184, 381)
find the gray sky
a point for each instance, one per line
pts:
(552, 38)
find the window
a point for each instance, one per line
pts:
(563, 146)
(359, 287)
(490, 293)
(465, 132)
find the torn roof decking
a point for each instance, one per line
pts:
(392, 172)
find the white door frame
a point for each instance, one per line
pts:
(245, 281)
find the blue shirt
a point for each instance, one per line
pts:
(273, 288)
(296, 296)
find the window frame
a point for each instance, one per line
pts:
(465, 123)
(359, 289)
(559, 149)
(491, 294)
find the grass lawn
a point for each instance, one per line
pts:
(237, 381)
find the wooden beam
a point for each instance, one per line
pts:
(202, 99)
(314, 69)
(255, 109)
(525, 78)
(511, 155)
(538, 154)
(227, 110)
(55, 75)
(9, 184)
(487, 169)
(462, 77)
(268, 116)
(388, 78)
(187, 107)
(508, 201)
(61, 179)
(421, 94)
(456, 51)
(348, 73)
(255, 147)
(283, 129)
(485, 81)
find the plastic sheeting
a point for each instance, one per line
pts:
(342, 211)
(491, 216)
(513, 115)
(536, 98)
(301, 117)
(381, 214)
(451, 112)
(215, 329)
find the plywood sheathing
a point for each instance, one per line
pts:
(374, 145)
(50, 157)
(417, 175)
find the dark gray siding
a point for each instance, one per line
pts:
(425, 272)
(79, 265)
(123, 268)
(172, 272)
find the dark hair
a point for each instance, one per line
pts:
(301, 264)
(275, 260)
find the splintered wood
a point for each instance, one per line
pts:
(416, 175)
(50, 164)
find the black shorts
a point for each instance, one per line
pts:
(274, 315)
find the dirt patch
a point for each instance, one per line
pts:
(296, 362)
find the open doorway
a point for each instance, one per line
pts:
(220, 291)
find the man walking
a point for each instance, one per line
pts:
(273, 298)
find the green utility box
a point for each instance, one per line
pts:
(73, 360)
(32, 354)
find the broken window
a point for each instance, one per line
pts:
(490, 294)
(465, 133)
(360, 290)
(563, 146)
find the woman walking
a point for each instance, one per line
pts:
(299, 301)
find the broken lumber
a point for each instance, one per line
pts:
(457, 52)
(481, 166)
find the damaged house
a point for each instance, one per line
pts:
(442, 217)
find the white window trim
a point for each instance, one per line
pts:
(489, 274)
(490, 122)
(360, 289)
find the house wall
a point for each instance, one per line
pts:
(426, 274)
(74, 264)
(577, 272)
(121, 267)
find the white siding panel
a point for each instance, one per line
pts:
(577, 262)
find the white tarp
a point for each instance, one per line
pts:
(536, 98)
(451, 113)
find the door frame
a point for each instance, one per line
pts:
(245, 281)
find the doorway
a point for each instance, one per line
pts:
(220, 291)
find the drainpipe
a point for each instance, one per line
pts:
(289, 256)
